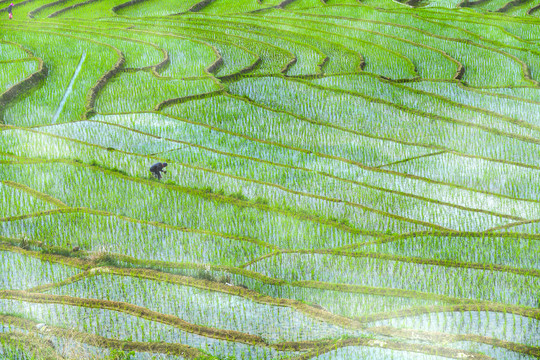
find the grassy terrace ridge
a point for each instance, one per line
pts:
(346, 180)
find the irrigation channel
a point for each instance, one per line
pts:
(347, 179)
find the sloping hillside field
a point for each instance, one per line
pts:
(346, 179)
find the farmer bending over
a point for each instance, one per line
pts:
(157, 168)
(10, 10)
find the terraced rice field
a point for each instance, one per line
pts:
(347, 179)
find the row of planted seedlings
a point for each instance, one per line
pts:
(14, 71)
(24, 272)
(403, 274)
(135, 238)
(274, 59)
(506, 148)
(505, 178)
(188, 210)
(532, 227)
(137, 55)
(427, 62)
(142, 145)
(330, 299)
(338, 57)
(190, 304)
(43, 106)
(364, 86)
(517, 248)
(309, 58)
(366, 111)
(491, 100)
(274, 177)
(193, 110)
(102, 287)
(522, 29)
(84, 316)
(16, 202)
(379, 57)
(340, 209)
(436, 36)
(121, 96)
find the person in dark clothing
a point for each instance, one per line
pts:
(10, 10)
(157, 168)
